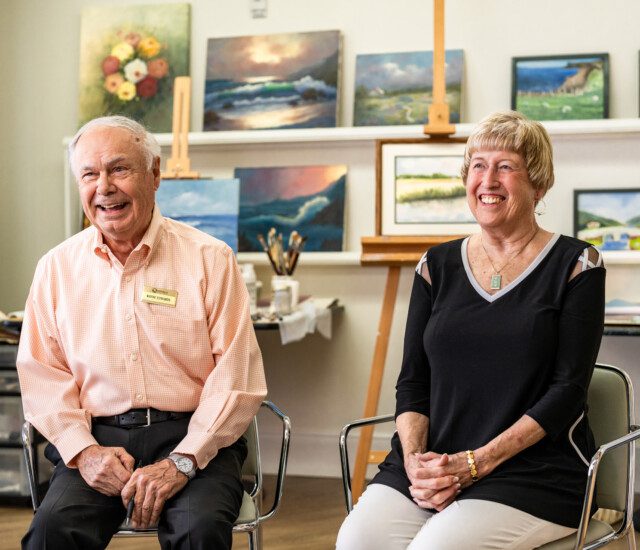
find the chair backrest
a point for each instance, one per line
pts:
(251, 470)
(610, 401)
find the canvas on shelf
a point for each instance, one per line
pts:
(309, 199)
(561, 87)
(129, 57)
(396, 88)
(210, 205)
(272, 81)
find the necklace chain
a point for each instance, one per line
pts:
(496, 278)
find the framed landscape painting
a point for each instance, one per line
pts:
(210, 205)
(129, 57)
(609, 219)
(396, 88)
(419, 190)
(272, 81)
(309, 199)
(561, 87)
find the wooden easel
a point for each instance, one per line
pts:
(179, 164)
(395, 252)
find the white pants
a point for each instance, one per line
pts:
(384, 519)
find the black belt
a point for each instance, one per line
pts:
(136, 418)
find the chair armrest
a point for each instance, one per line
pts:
(28, 440)
(344, 454)
(626, 439)
(284, 455)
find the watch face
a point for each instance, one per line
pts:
(184, 464)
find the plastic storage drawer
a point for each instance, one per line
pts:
(13, 472)
(8, 355)
(9, 381)
(11, 419)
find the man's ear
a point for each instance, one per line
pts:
(155, 168)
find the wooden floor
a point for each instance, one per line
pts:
(310, 516)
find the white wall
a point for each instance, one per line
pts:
(320, 385)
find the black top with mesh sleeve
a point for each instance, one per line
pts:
(474, 363)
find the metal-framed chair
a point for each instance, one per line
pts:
(611, 416)
(250, 519)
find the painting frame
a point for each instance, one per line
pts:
(387, 151)
(566, 109)
(617, 241)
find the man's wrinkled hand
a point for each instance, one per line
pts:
(150, 487)
(106, 469)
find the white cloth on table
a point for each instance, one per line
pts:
(309, 316)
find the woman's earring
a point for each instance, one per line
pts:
(538, 210)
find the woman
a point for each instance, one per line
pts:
(502, 335)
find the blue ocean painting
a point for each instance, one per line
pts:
(547, 75)
(309, 199)
(272, 81)
(210, 205)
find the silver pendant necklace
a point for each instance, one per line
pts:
(496, 277)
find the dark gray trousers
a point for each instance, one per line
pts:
(75, 516)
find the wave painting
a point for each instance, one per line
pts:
(272, 81)
(309, 199)
(210, 205)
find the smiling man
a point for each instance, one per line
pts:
(138, 361)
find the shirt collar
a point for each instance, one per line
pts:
(148, 241)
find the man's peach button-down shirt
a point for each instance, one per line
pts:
(91, 347)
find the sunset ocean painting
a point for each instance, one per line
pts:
(309, 199)
(272, 81)
(210, 205)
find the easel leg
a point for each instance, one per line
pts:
(375, 380)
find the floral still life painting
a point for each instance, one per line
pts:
(210, 205)
(272, 81)
(396, 88)
(572, 87)
(129, 58)
(307, 199)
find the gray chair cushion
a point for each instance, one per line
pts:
(596, 530)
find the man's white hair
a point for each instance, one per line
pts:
(148, 144)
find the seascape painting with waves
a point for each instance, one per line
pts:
(210, 205)
(272, 81)
(309, 199)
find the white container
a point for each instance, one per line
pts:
(13, 472)
(281, 281)
(250, 279)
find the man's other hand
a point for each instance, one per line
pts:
(150, 487)
(106, 469)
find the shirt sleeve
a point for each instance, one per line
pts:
(580, 332)
(234, 390)
(413, 387)
(50, 395)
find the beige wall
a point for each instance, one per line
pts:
(321, 386)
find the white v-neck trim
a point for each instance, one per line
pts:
(493, 297)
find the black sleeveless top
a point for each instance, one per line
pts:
(474, 363)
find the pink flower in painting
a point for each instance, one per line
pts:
(112, 82)
(135, 70)
(158, 68)
(132, 38)
(147, 87)
(110, 65)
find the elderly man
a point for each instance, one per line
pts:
(138, 361)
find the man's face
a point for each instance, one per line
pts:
(117, 189)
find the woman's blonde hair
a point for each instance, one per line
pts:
(512, 131)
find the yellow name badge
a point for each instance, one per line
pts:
(159, 296)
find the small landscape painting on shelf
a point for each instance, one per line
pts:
(210, 205)
(396, 88)
(608, 218)
(272, 81)
(571, 87)
(129, 57)
(309, 199)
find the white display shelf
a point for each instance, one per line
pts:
(622, 257)
(306, 258)
(556, 128)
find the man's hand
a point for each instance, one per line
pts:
(106, 469)
(150, 487)
(431, 485)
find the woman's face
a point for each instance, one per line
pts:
(499, 192)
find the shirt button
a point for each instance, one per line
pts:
(139, 397)
(128, 316)
(134, 356)
(128, 279)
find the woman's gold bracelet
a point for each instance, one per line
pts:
(471, 461)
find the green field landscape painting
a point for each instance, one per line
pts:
(561, 88)
(396, 88)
